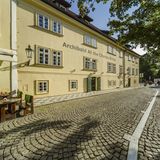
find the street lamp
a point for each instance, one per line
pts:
(29, 52)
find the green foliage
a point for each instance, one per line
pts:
(150, 66)
(135, 21)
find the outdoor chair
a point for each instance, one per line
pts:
(11, 94)
(27, 107)
(19, 104)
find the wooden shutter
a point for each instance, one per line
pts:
(98, 83)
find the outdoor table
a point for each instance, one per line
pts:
(4, 95)
(4, 104)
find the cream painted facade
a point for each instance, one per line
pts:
(73, 51)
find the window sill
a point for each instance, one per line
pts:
(111, 72)
(41, 93)
(89, 45)
(47, 66)
(47, 31)
(72, 90)
(85, 69)
(111, 54)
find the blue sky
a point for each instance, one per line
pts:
(100, 16)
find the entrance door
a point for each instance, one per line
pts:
(93, 84)
(129, 82)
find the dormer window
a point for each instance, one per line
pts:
(64, 8)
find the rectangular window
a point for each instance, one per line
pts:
(57, 58)
(129, 71)
(111, 68)
(114, 83)
(88, 40)
(73, 85)
(90, 64)
(43, 55)
(49, 57)
(121, 54)
(115, 51)
(133, 59)
(114, 68)
(110, 49)
(133, 71)
(129, 58)
(120, 69)
(43, 21)
(42, 86)
(56, 27)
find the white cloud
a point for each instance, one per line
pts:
(139, 50)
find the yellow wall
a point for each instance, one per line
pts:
(4, 42)
(73, 33)
(5, 24)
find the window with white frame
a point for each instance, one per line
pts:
(88, 40)
(121, 54)
(114, 68)
(43, 21)
(56, 27)
(129, 58)
(115, 51)
(129, 71)
(42, 86)
(110, 49)
(73, 85)
(133, 59)
(43, 56)
(111, 68)
(114, 83)
(90, 64)
(120, 69)
(49, 57)
(57, 58)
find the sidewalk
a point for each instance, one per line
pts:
(66, 97)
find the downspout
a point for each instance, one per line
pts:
(13, 45)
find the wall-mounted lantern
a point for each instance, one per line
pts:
(29, 52)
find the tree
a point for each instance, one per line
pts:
(135, 21)
(149, 66)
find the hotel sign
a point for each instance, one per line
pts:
(84, 50)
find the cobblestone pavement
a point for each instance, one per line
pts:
(89, 128)
(149, 144)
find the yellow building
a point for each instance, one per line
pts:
(70, 54)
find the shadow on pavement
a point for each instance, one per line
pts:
(35, 127)
(69, 145)
(116, 152)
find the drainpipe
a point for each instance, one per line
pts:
(13, 45)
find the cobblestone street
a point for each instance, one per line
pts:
(81, 129)
(149, 144)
